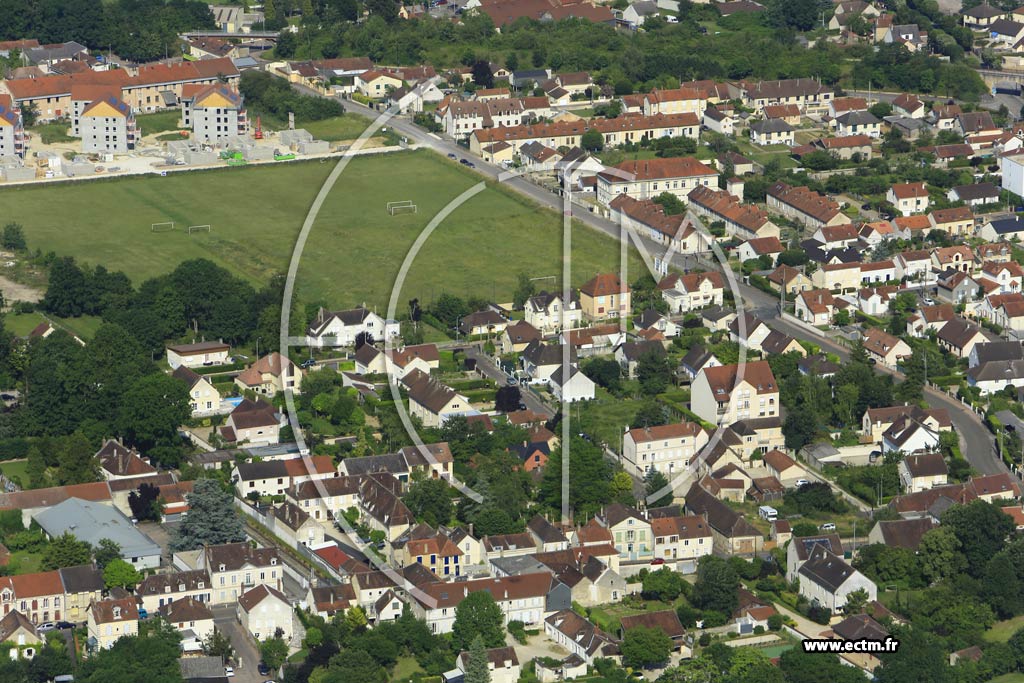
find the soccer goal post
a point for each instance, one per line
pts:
(405, 206)
(198, 228)
(162, 227)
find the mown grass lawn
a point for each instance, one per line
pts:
(16, 470)
(405, 668)
(20, 324)
(1001, 631)
(50, 133)
(355, 250)
(158, 122)
(347, 127)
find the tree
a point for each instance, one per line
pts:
(715, 588)
(145, 503)
(211, 520)
(592, 140)
(36, 469)
(151, 656)
(477, 670)
(354, 665)
(430, 501)
(800, 429)
(654, 483)
(152, 410)
(478, 615)
(218, 645)
(507, 399)
(66, 551)
(274, 652)
(939, 555)
(643, 647)
(654, 372)
(664, 584)
(385, 9)
(67, 291)
(364, 338)
(77, 461)
(982, 529)
(524, 290)
(119, 573)
(482, 75)
(106, 551)
(355, 619)
(856, 601)
(13, 237)
(605, 372)
(621, 489)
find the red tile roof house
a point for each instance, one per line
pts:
(908, 198)
(649, 178)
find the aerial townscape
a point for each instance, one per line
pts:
(511, 341)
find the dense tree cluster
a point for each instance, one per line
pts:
(271, 95)
(141, 30)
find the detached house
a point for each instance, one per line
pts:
(908, 198)
(959, 337)
(885, 348)
(727, 394)
(771, 132)
(685, 293)
(605, 296)
(340, 328)
(112, 619)
(827, 579)
(269, 375)
(431, 401)
(256, 423)
(922, 472)
(545, 311)
(671, 449)
(204, 399)
(815, 306)
(265, 611)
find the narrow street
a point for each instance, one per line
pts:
(491, 371)
(246, 654)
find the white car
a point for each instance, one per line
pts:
(827, 526)
(229, 671)
(801, 482)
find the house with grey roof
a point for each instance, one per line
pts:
(772, 132)
(799, 550)
(827, 579)
(92, 522)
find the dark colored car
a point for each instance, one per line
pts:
(263, 669)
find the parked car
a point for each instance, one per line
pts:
(801, 482)
(658, 560)
(827, 526)
(928, 301)
(308, 363)
(522, 406)
(263, 669)
(451, 155)
(46, 626)
(64, 625)
(229, 671)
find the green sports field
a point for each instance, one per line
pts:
(355, 249)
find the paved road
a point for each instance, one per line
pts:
(976, 442)
(491, 371)
(246, 654)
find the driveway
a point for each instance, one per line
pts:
(246, 654)
(486, 366)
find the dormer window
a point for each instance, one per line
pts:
(117, 612)
(273, 561)
(222, 566)
(167, 589)
(201, 585)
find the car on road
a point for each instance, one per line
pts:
(45, 626)
(872, 361)
(467, 162)
(64, 625)
(827, 526)
(658, 560)
(451, 155)
(308, 363)
(801, 482)
(229, 671)
(927, 301)
(512, 381)
(522, 406)
(263, 669)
